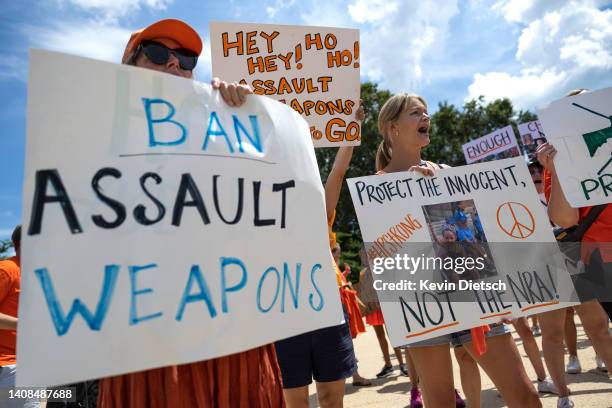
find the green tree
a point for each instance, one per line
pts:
(452, 127)
(5, 248)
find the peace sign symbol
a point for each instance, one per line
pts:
(515, 219)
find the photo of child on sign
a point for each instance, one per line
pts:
(315, 70)
(532, 136)
(454, 228)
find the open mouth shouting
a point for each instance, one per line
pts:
(423, 130)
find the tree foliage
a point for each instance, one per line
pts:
(5, 248)
(451, 127)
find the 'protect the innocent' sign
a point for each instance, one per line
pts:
(580, 128)
(162, 226)
(315, 70)
(420, 233)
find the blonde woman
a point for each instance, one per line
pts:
(404, 124)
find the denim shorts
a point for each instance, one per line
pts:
(8, 374)
(326, 355)
(460, 338)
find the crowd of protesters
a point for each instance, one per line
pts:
(279, 374)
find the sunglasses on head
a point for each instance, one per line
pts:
(159, 54)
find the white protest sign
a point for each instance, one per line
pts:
(531, 132)
(405, 220)
(580, 128)
(161, 226)
(315, 70)
(492, 146)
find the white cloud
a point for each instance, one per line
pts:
(398, 36)
(278, 5)
(521, 89)
(525, 11)
(395, 35)
(13, 67)
(271, 11)
(88, 39)
(564, 47)
(368, 11)
(325, 13)
(111, 9)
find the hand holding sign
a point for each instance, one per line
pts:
(233, 94)
(546, 155)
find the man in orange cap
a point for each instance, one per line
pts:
(173, 46)
(248, 379)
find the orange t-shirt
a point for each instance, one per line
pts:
(599, 235)
(9, 301)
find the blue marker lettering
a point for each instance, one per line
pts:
(195, 275)
(167, 119)
(218, 131)
(134, 319)
(63, 322)
(261, 281)
(315, 268)
(287, 278)
(255, 141)
(224, 288)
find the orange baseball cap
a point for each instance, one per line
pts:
(171, 28)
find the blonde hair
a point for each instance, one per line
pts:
(389, 113)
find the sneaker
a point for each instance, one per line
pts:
(416, 400)
(385, 372)
(601, 366)
(546, 386)
(573, 365)
(404, 370)
(565, 402)
(536, 330)
(459, 402)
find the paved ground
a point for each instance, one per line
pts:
(589, 389)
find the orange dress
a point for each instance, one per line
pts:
(248, 379)
(375, 318)
(348, 297)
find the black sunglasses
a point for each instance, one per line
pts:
(159, 54)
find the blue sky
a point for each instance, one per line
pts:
(531, 51)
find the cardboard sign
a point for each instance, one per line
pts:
(161, 226)
(580, 128)
(532, 136)
(499, 144)
(490, 210)
(315, 70)
(531, 133)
